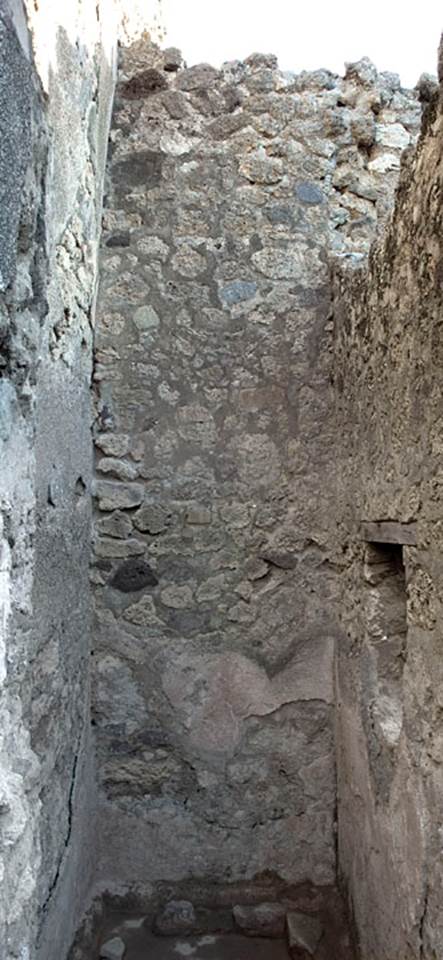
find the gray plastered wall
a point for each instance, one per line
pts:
(56, 90)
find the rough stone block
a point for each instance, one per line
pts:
(173, 59)
(237, 291)
(389, 531)
(118, 496)
(202, 76)
(113, 547)
(176, 918)
(113, 949)
(139, 169)
(309, 193)
(143, 85)
(198, 515)
(152, 518)
(133, 575)
(113, 444)
(117, 468)
(261, 920)
(116, 525)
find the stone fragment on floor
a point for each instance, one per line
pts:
(304, 935)
(176, 918)
(113, 949)
(261, 920)
(142, 944)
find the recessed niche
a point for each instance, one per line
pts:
(384, 656)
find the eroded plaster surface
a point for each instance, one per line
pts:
(56, 89)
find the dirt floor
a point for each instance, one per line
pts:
(143, 945)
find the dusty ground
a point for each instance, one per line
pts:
(141, 944)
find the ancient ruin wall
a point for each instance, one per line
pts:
(56, 86)
(390, 679)
(215, 564)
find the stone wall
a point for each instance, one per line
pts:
(56, 86)
(215, 554)
(390, 680)
(218, 571)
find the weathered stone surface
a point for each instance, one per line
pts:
(177, 596)
(142, 169)
(304, 935)
(202, 75)
(214, 360)
(145, 318)
(143, 613)
(217, 327)
(117, 468)
(212, 686)
(113, 949)
(56, 89)
(118, 496)
(133, 575)
(15, 134)
(152, 518)
(388, 531)
(116, 525)
(263, 920)
(237, 292)
(113, 444)
(114, 547)
(388, 347)
(198, 515)
(173, 59)
(309, 193)
(143, 84)
(176, 919)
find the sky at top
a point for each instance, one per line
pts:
(397, 35)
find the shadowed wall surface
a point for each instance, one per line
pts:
(388, 379)
(56, 90)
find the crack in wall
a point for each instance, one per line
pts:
(68, 833)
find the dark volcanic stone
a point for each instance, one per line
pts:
(173, 59)
(309, 193)
(142, 168)
(143, 85)
(119, 239)
(132, 575)
(278, 214)
(200, 76)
